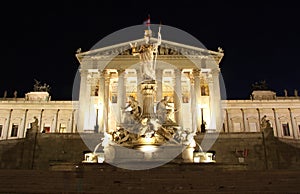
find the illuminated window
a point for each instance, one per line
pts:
(286, 129)
(114, 98)
(204, 91)
(62, 128)
(94, 90)
(46, 129)
(14, 130)
(1, 126)
(185, 98)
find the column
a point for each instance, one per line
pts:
(83, 103)
(258, 113)
(24, 123)
(148, 91)
(159, 90)
(294, 129)
(244, 121)
(276, 122)
(56, 122)
(215, 95)
(72, 121)
(8, 124)
(41, 120)
(177, 96)
(197, 91)
(121, 98)
(106, 100)
(193, 103)
(227, 120)
(101, 104)
(213, 124)
(138, 89)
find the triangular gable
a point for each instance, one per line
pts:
(96, 58)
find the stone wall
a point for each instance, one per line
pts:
(41, 151)
(261, 150)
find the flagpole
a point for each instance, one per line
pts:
(158, 39)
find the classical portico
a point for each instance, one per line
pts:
(188, 75)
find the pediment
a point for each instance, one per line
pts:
(168, 51)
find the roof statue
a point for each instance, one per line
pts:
(147, 53)
(220, 50)
(38, 87)
(262, 85)
(78, 50)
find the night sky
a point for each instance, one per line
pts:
(261, 41)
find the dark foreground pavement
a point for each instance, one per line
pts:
(166, 179)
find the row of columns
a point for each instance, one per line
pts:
(276, 127)
(104, 81)
(23, 125)
(214, 101)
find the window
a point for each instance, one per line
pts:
(185, 98)
(204, 91)
(237, 127)
(14, 130)
(62, 128)
(94, 90)
(286, 129)
(1, 126)
(46, 129)
(252, 127)
(114, 98)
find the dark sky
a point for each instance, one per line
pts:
(261, 40)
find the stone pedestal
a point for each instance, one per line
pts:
(37, 96)
(148, 89)
(188, 154)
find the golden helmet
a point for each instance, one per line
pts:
(148, 33)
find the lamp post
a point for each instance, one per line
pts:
(202, 122)
(96, 128)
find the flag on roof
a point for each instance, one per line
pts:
(147, 21)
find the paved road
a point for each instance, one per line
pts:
(171, 179)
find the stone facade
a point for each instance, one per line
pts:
(17, 116)
(283, 114)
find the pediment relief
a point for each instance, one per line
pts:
(166, 48)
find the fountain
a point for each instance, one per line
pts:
(203, 156)
(146, 134)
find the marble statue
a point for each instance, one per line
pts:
(147, 53)
(133, 109)
(162, 111)
(37, 87)
(265, 123)
(34, 125)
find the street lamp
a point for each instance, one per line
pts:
(202, 121)
(97, 107)
(97, 124)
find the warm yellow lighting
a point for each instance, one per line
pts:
(147, 140)
(89, 158)
(100, 157)
(203, 157)
(196, 159)
(93, 158)
(148, 148)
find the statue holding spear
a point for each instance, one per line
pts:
(148, 54)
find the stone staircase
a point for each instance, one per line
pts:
(170, 178)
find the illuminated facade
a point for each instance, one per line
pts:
(183, 72)
(107, 82)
